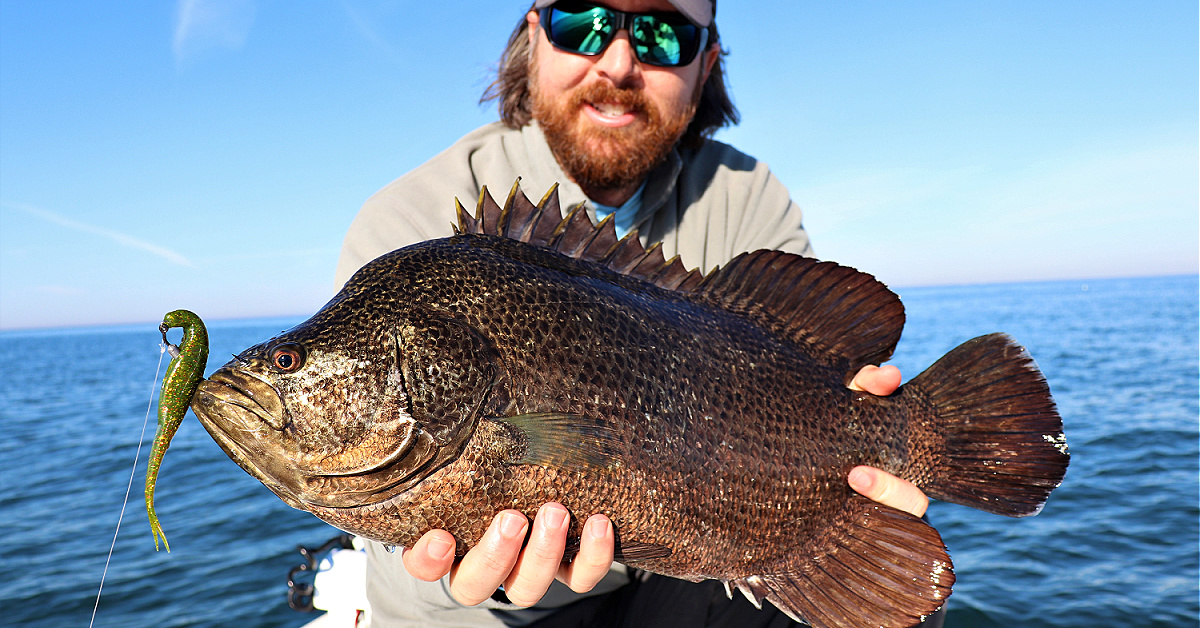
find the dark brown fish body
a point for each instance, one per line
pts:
(707, 417)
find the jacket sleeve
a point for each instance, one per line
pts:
(745, 205)
(771, 219)
(419, 205)
(402, 213)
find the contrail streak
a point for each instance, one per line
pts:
(116, 236)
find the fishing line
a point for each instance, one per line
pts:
(162, 348)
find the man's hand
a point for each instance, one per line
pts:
(881, 486)
(499, 558)
(526, 573)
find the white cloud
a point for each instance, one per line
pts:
(116, 236)
(204, 24)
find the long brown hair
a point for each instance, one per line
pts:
(511, 90)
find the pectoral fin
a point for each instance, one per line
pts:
(626, 552)
(632, 551)
(561, 440)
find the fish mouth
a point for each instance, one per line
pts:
(230, 406)
(245, 415)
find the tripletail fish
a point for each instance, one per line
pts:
(532, 358)
(184, 374)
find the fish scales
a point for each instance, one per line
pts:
(614, 353)
(576, 359)
(708, 417)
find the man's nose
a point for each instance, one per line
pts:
(618, 64)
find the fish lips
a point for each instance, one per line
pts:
(245, 415)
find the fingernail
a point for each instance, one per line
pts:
(599, 528)
(440, 549)
(860, 479)
(553, 518)
(512, 524)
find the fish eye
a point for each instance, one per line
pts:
(287, 358)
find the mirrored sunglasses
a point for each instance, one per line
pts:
(661, 39)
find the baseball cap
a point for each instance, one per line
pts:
(699, 11)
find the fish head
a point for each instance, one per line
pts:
(321, 416)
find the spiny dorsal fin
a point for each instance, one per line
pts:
(487, 212)
(838, 311)
(574, 232)
(604, 238)
(574, 236)
(519, 218)
(466, 222)
(673, 273)
(548, 216)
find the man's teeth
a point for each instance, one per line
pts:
(609, 109)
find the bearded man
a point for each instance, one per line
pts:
(616, 102)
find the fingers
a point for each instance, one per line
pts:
(430, 557)
(878, 485)
(539, 562)
(595, 556)
(526, 574)
(888, 490)
(485, 566)
(877, 380)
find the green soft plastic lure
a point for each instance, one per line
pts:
(179, 384)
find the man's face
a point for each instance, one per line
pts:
(609, 118)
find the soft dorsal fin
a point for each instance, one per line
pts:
(574, 236)
(838, 311)
(841, 313)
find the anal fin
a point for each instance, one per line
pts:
(877, 566)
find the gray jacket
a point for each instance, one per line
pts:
(705, 205)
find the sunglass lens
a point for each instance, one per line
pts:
(658, 42)
(585, 30)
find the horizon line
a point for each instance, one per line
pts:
(221, 321)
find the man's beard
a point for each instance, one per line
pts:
(600, 158)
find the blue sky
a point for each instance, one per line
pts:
(210, 155)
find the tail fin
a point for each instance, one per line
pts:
(1004, 445)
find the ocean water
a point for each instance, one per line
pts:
(1117, 544)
